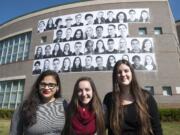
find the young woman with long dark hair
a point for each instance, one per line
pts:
(43, 110)
(130, 109)
(84, 114)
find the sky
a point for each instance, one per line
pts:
(10, 9)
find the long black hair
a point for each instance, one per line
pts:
(30, 105)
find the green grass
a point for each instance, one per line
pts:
(169, 128)
(4, 127)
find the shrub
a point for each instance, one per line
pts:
(6, 113)
(169, 114)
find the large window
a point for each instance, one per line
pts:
(142, 31)
(11, 93)
(15, 48)
(167, 91)
(158, 31)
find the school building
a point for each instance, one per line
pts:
(147, 27)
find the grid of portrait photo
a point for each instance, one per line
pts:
(94, 41)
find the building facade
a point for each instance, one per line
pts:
(178, 28)
(93, 34)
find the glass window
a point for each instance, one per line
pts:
(21, 85)
(167, 91)
(8, 86)
(12, 106)
(13, 97)
(15, 48)
(150, 89)
(15, 85)
(1, 50)
(3, 61)
(3, 86)
(142, 31)
(19, 97)
(1, 97)
(158, 31)
(43, 39)
(178, 90)
(6, 98)
(11, 93)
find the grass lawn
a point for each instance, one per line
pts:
(169, 128)
(4, 127)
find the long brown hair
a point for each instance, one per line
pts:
(140, 97)
(95, 106)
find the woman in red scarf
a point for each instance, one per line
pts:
(84, 115)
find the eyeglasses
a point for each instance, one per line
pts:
(50, 85)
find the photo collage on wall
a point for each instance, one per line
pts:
(94, 41)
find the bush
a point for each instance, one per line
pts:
(6, 113)
(169, 114)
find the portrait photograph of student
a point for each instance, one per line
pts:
(89, 19)
(99, 32)
(132, 16)
(66, 65)
(121, 17)
(111, 61)
(78, 35)
(111, 31)
(57, 52)
(47, 52)
(78, 22)
(50, 24)
(144, 17)
(135, 46)
(38, 53)
(110, 17)
(58, 36)
(68, 36)
(42, 112)
(111, 46)
(99, 62)
(122, 30)
(56, 65)
(131, 110)
(100, 48)
(37, 68)
(88, 64)
(41, 26)
(47, 64)
(123, 48)
(68, 22)
(99, 18)
(84, 115)
(59, 23)
(89, 47)
(147, 46)
(89, 33)
(125, 57)
(66, 50)
(136, 59)
(77, 65)
(77, 49)
(149, 63)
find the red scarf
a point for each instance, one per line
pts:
(83, 122)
